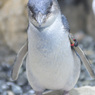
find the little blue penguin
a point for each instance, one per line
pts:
(51, 62)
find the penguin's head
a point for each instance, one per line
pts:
(42, 13)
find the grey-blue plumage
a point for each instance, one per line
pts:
(65, 23)
(40, 6)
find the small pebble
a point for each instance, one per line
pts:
(31, 92)
(17, 89)
(22, 79)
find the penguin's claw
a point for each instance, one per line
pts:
(38, 93)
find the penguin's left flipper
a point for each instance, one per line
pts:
(83, 58)
(78, 50)
(18, 61)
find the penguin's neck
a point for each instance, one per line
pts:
(55, 27)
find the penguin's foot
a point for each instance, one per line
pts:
(66, 93)
(38, 93)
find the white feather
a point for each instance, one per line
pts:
(50, 62)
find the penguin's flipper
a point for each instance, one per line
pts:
(18, 61)
(83, 58)
(85, 61)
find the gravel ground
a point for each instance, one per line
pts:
(22, 87)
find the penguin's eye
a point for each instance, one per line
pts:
(31, 9)
(51, 3)
(50, 6)
(49, 9)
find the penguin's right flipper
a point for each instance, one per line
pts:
(18, 61)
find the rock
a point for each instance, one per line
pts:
(87, 90)
(5, 87)
(2, 82)
(2, 2)
(22, 80)
(10, 84)
(10, 93)
(31, 92)
(7, 93)
(10, 59)
(83, 91)
(3, 75)
(26, 88)
(5, 67)
(13, 23)
(4, 93)
(87, 41)
(17, 89)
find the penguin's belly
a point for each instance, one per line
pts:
(51, 64)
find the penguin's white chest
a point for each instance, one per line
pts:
(50, 59)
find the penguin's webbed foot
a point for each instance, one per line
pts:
(66, 93)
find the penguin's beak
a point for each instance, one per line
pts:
(40, 18)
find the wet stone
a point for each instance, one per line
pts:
(4, 93)
(31, 92)
(5, 67)
(26, 88)
(10, 93)
(3, 75)
(5, 87)
(16, 89)
(22, 80)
